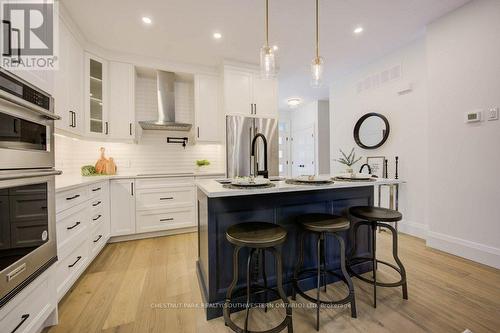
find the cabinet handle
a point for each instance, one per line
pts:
(198, 132)
(251, 108)
(132, 189)
(169, 219)
(77, 260)
(71, 116)
(96, 204)
(74, 226)
(130, 128)
(95, 241)
(18, 45)
(9, 40)
(97, 217)
(96, 189)
(74, 116)
(107, 128)
(73, 197)
(167, 198)
(24, 317)
(255, 108)
(15, 126)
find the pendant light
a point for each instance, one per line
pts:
(317, 63)
(267, 57)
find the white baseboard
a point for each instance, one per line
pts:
(152, 234)
(483, 254)
(419, 230)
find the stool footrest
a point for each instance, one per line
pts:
(370, 281)
(345, 300)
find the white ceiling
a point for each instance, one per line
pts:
(182, 32)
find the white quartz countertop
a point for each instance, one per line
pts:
(213, 189)
(70, 181)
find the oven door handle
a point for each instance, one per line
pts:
(21, 174)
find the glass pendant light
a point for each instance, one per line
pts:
(317, 62)
(267, 56)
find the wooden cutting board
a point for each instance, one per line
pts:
(105, 166)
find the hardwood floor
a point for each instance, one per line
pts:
(128, 285)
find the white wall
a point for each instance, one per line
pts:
(463, 59)
(453, 192)
(407, 115)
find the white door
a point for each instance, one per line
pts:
(121, 100)
(122, 207)
(284, 149)
(303, 151)
(265, 97)
(237, 92)
(206, 106)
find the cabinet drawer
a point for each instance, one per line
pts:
(98, 189)
(156, 220)
(154, 183)
(98, 238)
(70, 267)
(165, 197)
(29, 314)
(71, 225)
(70, 198)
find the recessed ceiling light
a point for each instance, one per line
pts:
(294, 102)
(358, 30)
(275, 47)
(147, 20)
(217, 35)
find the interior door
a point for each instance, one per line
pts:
(303, 151)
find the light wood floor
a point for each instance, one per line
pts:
(122, 290)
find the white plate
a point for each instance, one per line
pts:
(248, 181)
(224, 180)
(312, 179)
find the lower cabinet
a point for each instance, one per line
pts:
(122, 207)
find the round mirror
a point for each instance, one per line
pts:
(371, 131)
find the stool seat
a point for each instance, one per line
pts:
(324, 222)
(256, 234)
(373, 214)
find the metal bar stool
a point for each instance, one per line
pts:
(373, 217)
(321, 224)
(258, 237)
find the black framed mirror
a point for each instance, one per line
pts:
(371, 130)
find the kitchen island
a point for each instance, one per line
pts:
(220, 207)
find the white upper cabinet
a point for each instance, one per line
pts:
(121, 100)
(96, 98)
(68, 87)
(245, 93)
(206, 106)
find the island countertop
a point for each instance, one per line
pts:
(212, 189)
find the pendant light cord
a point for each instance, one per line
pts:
(267, 23)
(317, 30)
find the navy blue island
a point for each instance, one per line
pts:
(220, 207)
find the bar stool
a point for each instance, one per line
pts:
(373, 217)
(322, 224)
(258, 237)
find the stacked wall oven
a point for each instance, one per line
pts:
(27, 189)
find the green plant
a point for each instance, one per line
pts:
(88, 170)
(201, 163)
(348, 160)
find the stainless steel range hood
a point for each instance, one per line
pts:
(165, 84)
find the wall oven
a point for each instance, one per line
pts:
(27, 184)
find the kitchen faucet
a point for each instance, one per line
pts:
(254, 162)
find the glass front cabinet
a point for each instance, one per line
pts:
(96, 103)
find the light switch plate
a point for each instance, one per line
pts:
(493, 114)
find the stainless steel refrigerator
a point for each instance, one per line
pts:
(240, 131)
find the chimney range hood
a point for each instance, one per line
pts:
(165, 85)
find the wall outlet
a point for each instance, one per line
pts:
(493, 114)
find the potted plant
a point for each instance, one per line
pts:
(348, 160)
